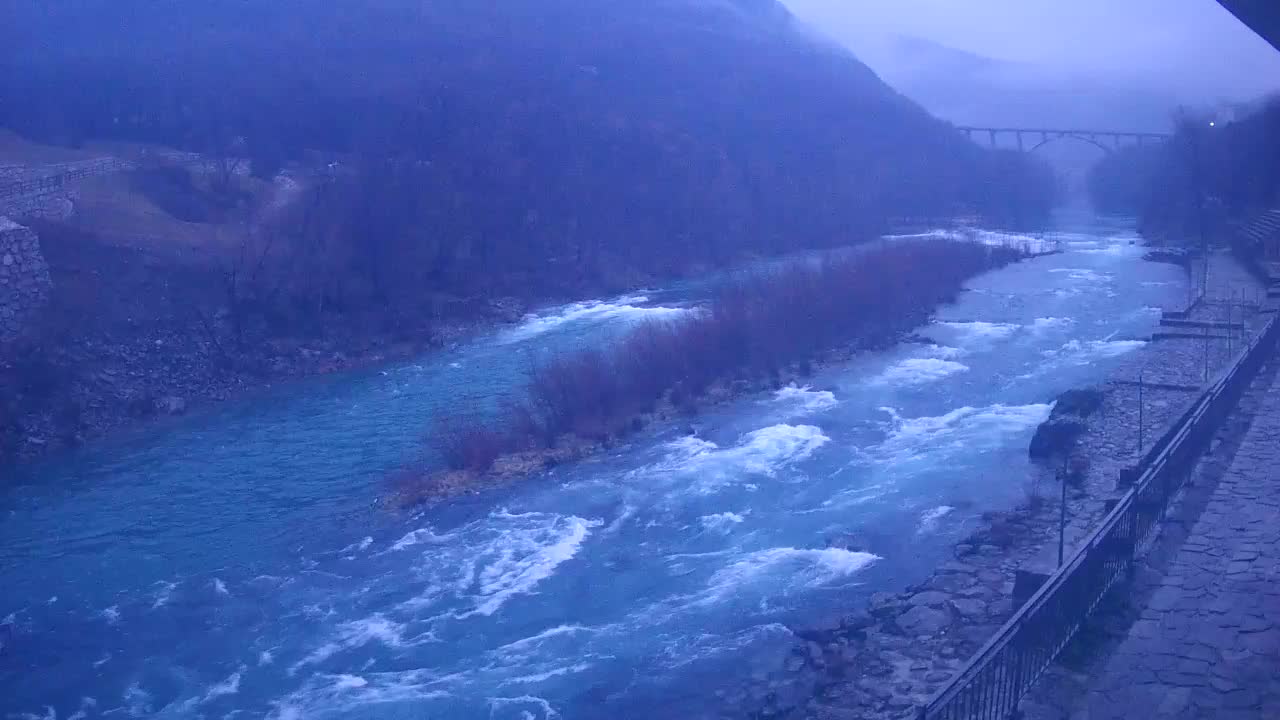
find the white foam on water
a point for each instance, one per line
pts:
(549, 674)
(163, 595)
(628, 307)
(497, 704)
(524, 647)
(229, 686)
(809, 567)
(852, 497)
(1003, 237)
(351, 695)
(939, 233)
(1031, 243)
(1048, 324)
(806, 398)
(978, 331)
(376, 628)
(943, 352)
(683, 649)
(929, 518)
(918, 371)
(421, 536)
(361, 546)
(266, 657)
(112, 614)
(1083, 275)
(478, 568)
(722, 522)
(1076, 352)
(220, 587)
(993, 238)
(761, 452)
(1110, 250)
(965, 427)
(1083, 243)
(81, 713)
(137, 700)
(524, 562)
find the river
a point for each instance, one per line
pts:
(237, 563)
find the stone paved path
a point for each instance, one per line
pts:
(1207, 643)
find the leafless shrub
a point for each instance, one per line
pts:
(466, 444)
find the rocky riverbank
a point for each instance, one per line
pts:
(892, 657)
(129, 337)
(94, 384)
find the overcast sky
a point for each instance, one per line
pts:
(1195, 46)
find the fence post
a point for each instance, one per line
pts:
(1206, 353)
(1141, 424)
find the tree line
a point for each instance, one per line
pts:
(1211, 172)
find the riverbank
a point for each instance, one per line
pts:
(133, 336)
(643, 577)
(763, 330)
(124, 344)
(887, 660)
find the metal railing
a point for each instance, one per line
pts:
(995, 679)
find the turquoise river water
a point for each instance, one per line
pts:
(237, 563)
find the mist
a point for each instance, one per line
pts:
(1125, 65)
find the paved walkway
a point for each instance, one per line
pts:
(1207, 642)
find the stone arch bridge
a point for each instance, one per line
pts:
(1032, 139)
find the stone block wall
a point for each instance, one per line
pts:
(24, 278)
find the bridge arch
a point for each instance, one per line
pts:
(1082, 138)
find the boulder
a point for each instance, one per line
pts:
(929, 598)
(969, 607)
(923, 620)
(1055, 437)
(1080, 402)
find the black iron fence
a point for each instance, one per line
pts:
(993, 682)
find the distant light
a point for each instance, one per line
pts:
(1212, 124)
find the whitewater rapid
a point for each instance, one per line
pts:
(239, 564)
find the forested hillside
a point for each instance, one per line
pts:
(591, 137)
(448, 162)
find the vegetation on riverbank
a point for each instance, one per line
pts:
(1211, 172)
(456, 163)
(757, 328)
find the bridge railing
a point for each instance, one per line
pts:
(994, 681)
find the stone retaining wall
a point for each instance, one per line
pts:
(24, 278)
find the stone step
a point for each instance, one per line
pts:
(1157, 385)
(1188, 336)
(1212, 324)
